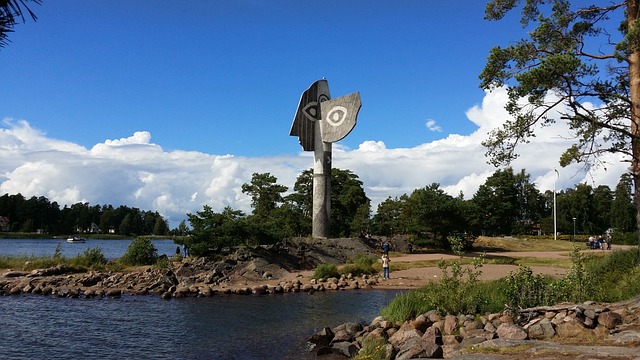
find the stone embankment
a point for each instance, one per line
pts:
(597, 332)
(242, 272)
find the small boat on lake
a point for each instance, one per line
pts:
(76, 239)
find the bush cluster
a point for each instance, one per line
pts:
(363, 264)
(140, 252)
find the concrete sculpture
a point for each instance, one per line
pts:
(319, 122)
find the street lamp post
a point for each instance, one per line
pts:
(574, 229)
(555, 223)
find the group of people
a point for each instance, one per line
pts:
(602, 242)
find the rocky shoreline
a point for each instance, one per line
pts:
(262, 270)
(587, 331)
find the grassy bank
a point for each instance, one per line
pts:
(608, 277)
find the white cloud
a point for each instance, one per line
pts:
(433, 126)
(133, 171)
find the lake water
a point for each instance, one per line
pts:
(145, 327)
(46, 247)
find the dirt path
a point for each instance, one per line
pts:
(418, 277)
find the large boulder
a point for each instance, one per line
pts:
(345, 348)
(511, 331)
(543, 329)
(403, 335)
(609, 319)
(322, 337)
(418, 348)
(573, 329)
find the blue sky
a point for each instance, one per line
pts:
(170, 105)
(225, 76)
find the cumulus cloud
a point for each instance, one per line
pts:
(135, 172)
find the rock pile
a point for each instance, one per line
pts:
(433, 336)
(241, 272)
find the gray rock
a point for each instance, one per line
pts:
(451, 339)
(345, 348)
(433, 335)
(573, 329)
(542, 329)
(418, 348)
(322, 337)
(450, 324)
(377, 333)
(403, 335)
(421, 323)
(609, 319)
(511, 331)
(114, 293)
(342, 336)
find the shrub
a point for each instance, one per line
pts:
(140, 252)
(616, 275)
(625, 238)
(455, 291)
(361, 265)
(524, 290)
(95, 257)
(325, 271)
(164, 263)
(90, 259)
(579, 283)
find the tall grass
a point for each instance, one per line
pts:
(91, 259)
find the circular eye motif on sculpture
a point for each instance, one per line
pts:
(336, 116)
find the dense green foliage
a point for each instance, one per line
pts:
(140, 252)
(506, 204)
(39, 214)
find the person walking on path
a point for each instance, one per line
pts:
(385, 266)
(385, 248)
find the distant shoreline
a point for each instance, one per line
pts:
(21, 235)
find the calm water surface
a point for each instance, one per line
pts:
(46, 247)
(146, 327)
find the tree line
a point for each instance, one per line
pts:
(506, 204)
(38, 214)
